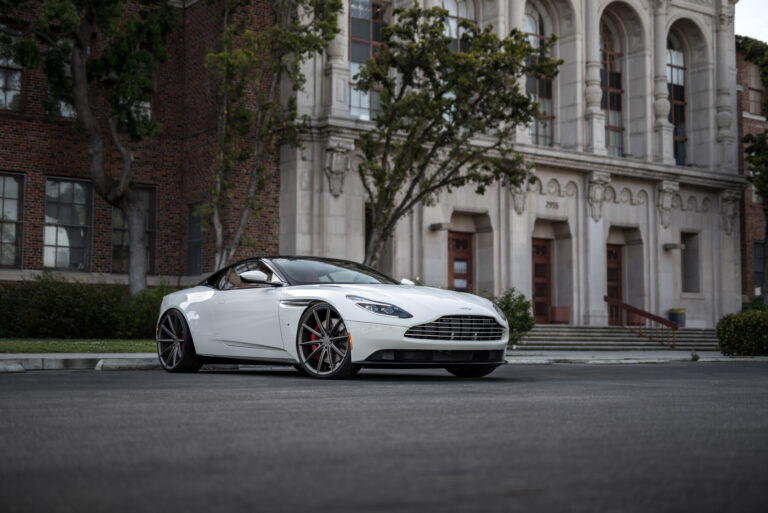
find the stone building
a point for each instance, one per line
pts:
(637, 187)
(752, 120)
(53, 219)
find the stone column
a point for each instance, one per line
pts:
(593, 94)
(337, 69)
(726, 138)
(596, 311)
(663, 147)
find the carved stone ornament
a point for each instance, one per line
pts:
(729, 210)
(518, 198)
(337, 162)
(596, 193)
(668, 191)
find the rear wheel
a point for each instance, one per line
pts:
(322, 343)
(175, 348)
(471, 371)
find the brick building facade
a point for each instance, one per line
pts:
(752, 120)
(52, 217)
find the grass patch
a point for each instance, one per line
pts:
(52, 345)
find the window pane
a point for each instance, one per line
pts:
(7, 254)
(67, 232)
(460, 267)
(7, 232)
(10, 210)
(11, 189)
(360, 52)
(360, 28)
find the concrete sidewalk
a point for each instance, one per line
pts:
(21, 362)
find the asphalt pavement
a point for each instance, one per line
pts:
(638, 438)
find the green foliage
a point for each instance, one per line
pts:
(247, 71)
(50, 307)
(743, 334)
(446, 118)
(132, 42)
(517, 310)
(27, 345)
(755, 304)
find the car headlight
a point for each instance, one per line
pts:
(380, 308)
(499, 311)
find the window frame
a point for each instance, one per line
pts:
(10, 65)
(755, 87)
(372, 45)
(19, 222)
(459, 19)
(611, 60)
(672, 41)
(88, 247)
(151, 232)
(541, 83)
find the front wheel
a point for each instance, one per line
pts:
(471, 371)
(175, 348)
(322, 343)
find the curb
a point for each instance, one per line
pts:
(108, 364)
(11, 366)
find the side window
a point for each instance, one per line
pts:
(231, 279)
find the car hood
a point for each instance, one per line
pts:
(424, 303)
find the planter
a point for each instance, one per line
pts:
(677, 315)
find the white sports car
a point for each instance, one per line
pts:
(328, 318)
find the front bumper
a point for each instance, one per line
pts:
(385, 345)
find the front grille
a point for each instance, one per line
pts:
(458, 327)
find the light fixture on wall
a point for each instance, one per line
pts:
(437, 227)
(669, 246)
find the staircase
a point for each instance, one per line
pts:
(556, 337)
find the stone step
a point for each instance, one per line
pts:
(611, 338)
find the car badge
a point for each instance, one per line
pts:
(464, 308)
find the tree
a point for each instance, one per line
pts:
(756, 151)
(99, 57)
(253, 121)
(446, 118)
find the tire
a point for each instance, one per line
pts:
(175, 348)
(471, 371)
(322, 343)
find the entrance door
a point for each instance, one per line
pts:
(542, 282)
(614, 281)
(460, 261)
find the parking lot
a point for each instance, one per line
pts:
(645, 438)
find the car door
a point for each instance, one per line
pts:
(244, 317)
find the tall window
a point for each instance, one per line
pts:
(755, 90)
(611, 82)
(676, 89)
(11, 220)
(366, 19)
(690, 262)
(758, 266)
(68, 214)
(121, 240)
(194, 241)
(10, 76)
(540, 89)
(458, 10)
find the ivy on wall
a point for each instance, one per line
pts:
(756, 52)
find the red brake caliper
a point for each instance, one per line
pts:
(314, 337)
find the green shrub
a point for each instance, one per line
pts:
(743, 334)
(517, 309)
(51, 307)
(756, 303)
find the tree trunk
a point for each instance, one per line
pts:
(374, 247)
(137, 236)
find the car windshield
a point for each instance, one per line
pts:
(308, 271)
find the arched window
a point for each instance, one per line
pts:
(458, 10)
(676, 88)
(540, 89)
(613, 92)
(366, 19)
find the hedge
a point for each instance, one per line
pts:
(50, 307)
(743, 334)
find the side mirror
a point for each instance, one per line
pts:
(406, 281)
(253, 277)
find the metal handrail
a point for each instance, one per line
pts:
(641, 322)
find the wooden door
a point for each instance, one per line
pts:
(460, 261)
(542, 279)
(614, 273)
